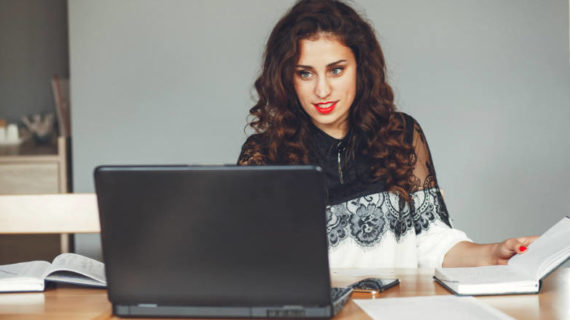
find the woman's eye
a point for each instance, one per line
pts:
(304, 74)
(336, 71)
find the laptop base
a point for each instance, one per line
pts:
(217, 312)
(339, 298)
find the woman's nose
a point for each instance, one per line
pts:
(322, 88)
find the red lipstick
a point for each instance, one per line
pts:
(325, 107)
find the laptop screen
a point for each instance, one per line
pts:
(214, 236)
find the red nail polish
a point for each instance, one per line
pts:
(522, 248)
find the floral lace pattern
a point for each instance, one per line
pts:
(367, 224)
(367, 219)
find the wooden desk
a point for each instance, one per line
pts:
(80, 303)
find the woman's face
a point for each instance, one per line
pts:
(325, 83)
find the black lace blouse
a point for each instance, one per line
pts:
(350, 179)
(367, 226)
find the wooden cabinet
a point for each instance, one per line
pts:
(31, 169)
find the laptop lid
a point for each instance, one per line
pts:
(215, 241)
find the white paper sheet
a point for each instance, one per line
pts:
(428, 308)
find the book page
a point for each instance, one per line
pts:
(75, 268)
(24, 276)
(546, 252)
(74, 278)
(479, 275)
(17, 271)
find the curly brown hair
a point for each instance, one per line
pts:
(378, 131)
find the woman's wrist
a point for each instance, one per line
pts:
(483, 254)
(469, 254)
(492, 254)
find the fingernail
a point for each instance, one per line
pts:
(522, 248)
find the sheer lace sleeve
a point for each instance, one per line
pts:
(424, 171)
(426, 195)
(435, 234)
(252, 152)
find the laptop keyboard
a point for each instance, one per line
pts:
(339, 297)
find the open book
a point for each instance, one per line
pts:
(66, 267)
(522, 274)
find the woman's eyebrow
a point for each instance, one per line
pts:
(336, 62)
(328, 65)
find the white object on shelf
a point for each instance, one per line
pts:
(10, 135)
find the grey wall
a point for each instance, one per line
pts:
(33, 48)
(171, 82)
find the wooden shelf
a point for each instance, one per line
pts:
(32, 169)
(28, 148)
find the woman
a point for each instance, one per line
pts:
(324, 100)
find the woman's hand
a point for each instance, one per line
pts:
(469, 254)
(505, 250)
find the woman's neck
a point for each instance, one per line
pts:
(337, 132)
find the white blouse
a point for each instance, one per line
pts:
(381, 231)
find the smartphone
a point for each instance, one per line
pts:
(373, 285)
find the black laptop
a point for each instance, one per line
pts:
(216, 241)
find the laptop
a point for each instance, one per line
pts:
(216, 241)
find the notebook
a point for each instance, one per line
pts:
(216, 241)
